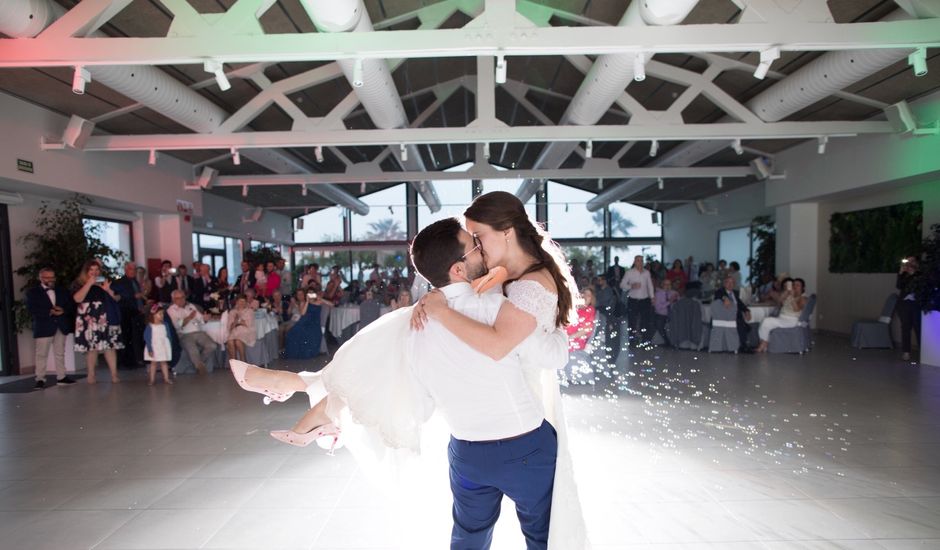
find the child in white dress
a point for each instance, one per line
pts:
(157, 348)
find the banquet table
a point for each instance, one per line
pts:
(344, 316)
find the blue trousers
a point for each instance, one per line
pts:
(522, 468)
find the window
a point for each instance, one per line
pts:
(582, 255)
(566, 207)
(322, 226)
(387, 217)
(454, 195)
(630, 220)
(218, 252)
(734, 245)
(510, 186)
(627, 253)
(112, 233)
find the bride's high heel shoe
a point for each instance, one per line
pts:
(240, 370)
(326, 436)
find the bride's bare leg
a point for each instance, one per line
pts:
(313, 418)
(278, 381)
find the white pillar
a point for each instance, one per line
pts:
(798, 242)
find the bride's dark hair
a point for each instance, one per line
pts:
(501, 211)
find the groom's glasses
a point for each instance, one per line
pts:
(476, 246)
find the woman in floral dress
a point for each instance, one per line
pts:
(98, 323)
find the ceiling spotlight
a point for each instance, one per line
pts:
(318, 153)
(589, 149)
(357, 79)
(566, 207)
(244, 190)
(152, 159)
(654, 147)
(362, 187)
(821, 148)
(404, 152)
(738, 148)
(303, 190)
(486, 150)
(919, 61)
(215, 67)
(639, 67)
(660, 183)
(767, 57)
(500, 69)
(719, 182)
(236, 157)
(600, 184)
(79, 79)
(761, 168)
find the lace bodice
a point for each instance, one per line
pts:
(536, 300)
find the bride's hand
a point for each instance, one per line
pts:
(429, 304)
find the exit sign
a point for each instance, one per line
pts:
(24, 165)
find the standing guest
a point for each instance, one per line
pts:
(287, 278)
(615, 274)
(131, 302)
(202, 286)
(662, 301)
(272, 280)
(241, 329)
(50, 306)
(402, 300)
(692, 269)
(312, 277)
(188, 322)
(589, 270)
(245, 280)
(183, 281)
(721, 271)
(907, 308)
(220, 283)
(580, 333)
(158, 350)
(731, 297)
(677, 277)
(637, 284)
(734, 271)
(98, 323)
(605, 297)
(334, 288)
(657, 271)
(261, 279)
(145, 283)
(165, 282)
(576, 272)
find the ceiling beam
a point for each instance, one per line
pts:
(488, 133)
(222, 44)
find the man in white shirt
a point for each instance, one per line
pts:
(637, 286)
(188, 321)
(501, 443)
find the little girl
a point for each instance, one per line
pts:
(157, 345)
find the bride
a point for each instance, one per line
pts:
(371, 383)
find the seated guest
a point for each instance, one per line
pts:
(279, 306)
(775, 294)
(252, 300)
(353, 293)
(302, 340)
(369, 310)
(793, 304)
(241, 329)
(708, 277)
(678, 277)
(663, 299)
(334, 288)
(605, 297)
(311, 275)
(732, 299)
(188, 322)
(580, 333)
(292, 314)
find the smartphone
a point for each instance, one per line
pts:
(173, 271)
(311, 295)
(905, 260)
(100, 279)
(789, 285)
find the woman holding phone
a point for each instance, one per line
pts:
(98, 323)
(793, 303)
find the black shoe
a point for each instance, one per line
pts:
(67, 380)
(40, 385)
(747, 350)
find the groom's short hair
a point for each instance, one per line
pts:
(435, 248)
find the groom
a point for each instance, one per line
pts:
(500, 443)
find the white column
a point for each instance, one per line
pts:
(798, 243)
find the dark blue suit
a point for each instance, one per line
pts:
(132, 321)
(44, 323)
(743, 327)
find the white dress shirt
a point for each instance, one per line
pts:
(645, 289)
(481, 399)
(179, 314)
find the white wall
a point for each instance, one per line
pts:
(688, 233)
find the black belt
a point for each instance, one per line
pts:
(504, 439)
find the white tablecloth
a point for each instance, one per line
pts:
(265, 349)
(343, 316)
(758, 312)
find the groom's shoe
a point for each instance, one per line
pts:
(326, 436)
(240, 370)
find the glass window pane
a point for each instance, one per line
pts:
(386, 220)
(510, 186)
(630, 220)
(212, 241)
(115, 235)
(454, 195)
(195, 246)
(568, 217)
(322, 226)
(734, 245)
(586, 263)
(627, 253)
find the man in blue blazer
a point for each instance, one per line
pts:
(52, 308)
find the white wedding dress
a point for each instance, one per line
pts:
(376, 399)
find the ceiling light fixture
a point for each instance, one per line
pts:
(654, 147)
(236, 157)
(821, 147)
(738, 148)
(152, 159)
(660, 183)
(639, 67)
(357, 79)
(391, 210)
(501, 69)
(719, 182)
(486, 150)
(918, 60)
(215, 67)
(244, 190)
(589, 149)
(362, 187)
(767, 57)
(600, 184)
(79, 79)
(303, 190)
(404, 152)
(318, 153)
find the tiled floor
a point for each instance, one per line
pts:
(834, 449)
